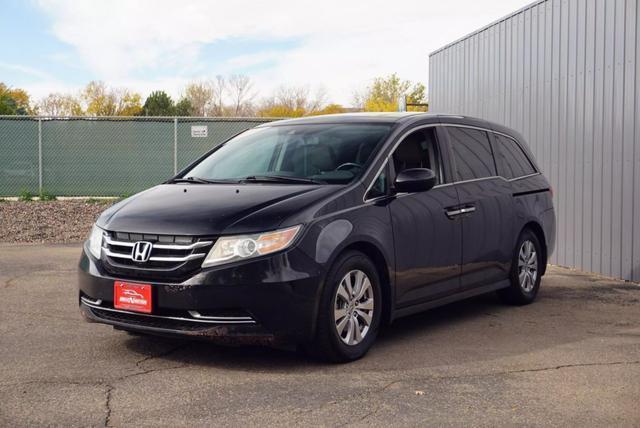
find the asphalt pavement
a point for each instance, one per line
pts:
(572, 359)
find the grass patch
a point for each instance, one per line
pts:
(46, 196)
(97, 201)
(25, 196)
(124, 196)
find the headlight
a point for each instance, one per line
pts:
(95, 241)
(232, 248)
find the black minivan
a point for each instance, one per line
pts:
(317, 231)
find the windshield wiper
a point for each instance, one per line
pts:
(280, 179)
(199, 180)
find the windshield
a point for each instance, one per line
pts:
(324, 153)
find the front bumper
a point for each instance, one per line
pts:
(267, 300)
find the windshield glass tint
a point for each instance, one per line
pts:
(330, 153)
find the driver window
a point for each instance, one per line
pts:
(418, 150)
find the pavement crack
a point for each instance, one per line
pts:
(532, 370)
(378, 391)
(9, 282)
(107, 405)
(160, 355)
(565, 366)
(142, 371)
(51, 382)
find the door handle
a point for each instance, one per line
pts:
(459, 211)
(453, 213)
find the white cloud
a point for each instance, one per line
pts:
(339, 44)
(23, 69)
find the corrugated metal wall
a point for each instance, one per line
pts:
(565, 74)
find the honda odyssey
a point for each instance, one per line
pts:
(318, 231)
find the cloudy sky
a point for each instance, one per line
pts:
(60, 45)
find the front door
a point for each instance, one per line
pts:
(427, 242)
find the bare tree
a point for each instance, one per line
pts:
(319, 101)
(292, 101)
(218, 89)
(57, 104)
(299, 98)
(359, 98)
(241, 94)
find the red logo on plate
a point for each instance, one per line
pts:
(132, 297)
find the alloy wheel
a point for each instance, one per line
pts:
(353, 307)
(527, 266)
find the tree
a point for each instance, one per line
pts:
(158, 103)
(103, 101)
(241, 94)
(22, 99)
(57, 104)
(200, 95)
(279, 110)
(127, 103)
(218, 90)
(98, 99)
(184, 108)
(14, 101)
(8, 105)
(330, 109)
(291, 101)
(384, 93)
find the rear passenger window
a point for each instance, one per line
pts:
(472, 153)
(512, 161)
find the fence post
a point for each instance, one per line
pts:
(40, 156)
(175, 145)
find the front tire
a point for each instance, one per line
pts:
(350, 310)
(526, 271)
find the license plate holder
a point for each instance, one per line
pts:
(132, 297)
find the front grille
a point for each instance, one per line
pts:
(171, 257)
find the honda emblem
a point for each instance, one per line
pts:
(141, 251)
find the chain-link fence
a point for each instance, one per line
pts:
(103, 156)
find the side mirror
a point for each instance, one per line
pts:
(415, 180)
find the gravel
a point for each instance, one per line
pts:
(65, 221)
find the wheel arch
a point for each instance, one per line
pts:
(536, 228)
(380, 262)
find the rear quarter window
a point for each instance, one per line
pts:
(512, 160)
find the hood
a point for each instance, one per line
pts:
(210, 209)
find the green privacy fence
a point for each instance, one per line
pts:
(103, 156)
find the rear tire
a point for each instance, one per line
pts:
(526, 271)
(350, 310)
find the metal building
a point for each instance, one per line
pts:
(565, 74)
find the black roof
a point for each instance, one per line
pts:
(393, 117)
(396, 118)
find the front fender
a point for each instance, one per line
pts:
(367, 229)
